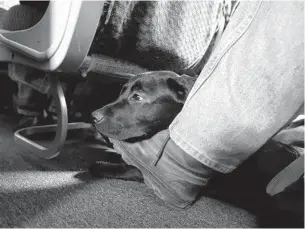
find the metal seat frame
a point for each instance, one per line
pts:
(60, 41)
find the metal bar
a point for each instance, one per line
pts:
(61, 127)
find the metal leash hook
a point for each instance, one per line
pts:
(61, 128)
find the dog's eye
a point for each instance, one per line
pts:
(137, 97)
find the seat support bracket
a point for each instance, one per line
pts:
(61, 128)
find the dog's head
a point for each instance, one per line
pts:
(147, 104)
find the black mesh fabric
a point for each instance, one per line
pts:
(158, 35)
(22, 16)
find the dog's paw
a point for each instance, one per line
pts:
(84, 176)
(105, 169)
(91, 134)
(120, 171)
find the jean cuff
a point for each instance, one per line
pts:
(200, 155)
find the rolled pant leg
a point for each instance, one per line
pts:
(250, 88)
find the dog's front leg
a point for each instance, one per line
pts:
(111, 170)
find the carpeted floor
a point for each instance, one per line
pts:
(48, 193)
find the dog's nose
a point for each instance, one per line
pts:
(97, 117)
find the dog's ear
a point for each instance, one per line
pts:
(179, 90)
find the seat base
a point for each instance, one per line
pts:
(61, 128)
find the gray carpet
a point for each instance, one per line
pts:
(47, 193)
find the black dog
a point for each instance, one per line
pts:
(147, 104)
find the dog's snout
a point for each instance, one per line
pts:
(97, 117)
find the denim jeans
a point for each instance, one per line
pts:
(252, 85)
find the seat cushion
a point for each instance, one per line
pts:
(20, 17)
(166, 35)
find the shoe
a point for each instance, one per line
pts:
(175, 176)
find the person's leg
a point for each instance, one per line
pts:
(251, 87)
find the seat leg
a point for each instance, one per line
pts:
(61, 128)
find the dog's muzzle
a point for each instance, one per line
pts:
(97, 117)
